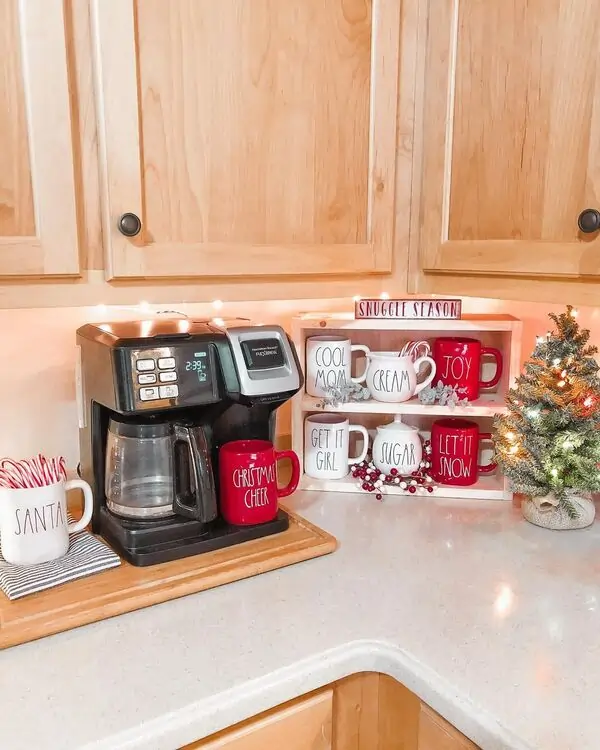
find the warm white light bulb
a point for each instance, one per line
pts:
(504, 601)
(540, 340)
(510, 435)
(144, 306)
(556, 362)
(554, 472)
(514, 449)
(561, 384)
(218, 321)
(588, 401)
(574, 313)
(356, 298)
(217, 304)
(384, 295)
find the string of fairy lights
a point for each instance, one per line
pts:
(564, 379)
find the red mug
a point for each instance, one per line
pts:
(455, 451)
(248, 481)
(458, 363)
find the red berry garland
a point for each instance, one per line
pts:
(371, 479)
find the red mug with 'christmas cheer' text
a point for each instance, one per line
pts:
(458, 363)
(455, 452)
(248, 491)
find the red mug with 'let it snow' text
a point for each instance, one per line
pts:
(248, 481)
(455, 452)
(458, 363)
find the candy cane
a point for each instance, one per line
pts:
(414, 349)
(20, 473)
(30, 473)
(45, 469)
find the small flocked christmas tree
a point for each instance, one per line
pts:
(549, 441)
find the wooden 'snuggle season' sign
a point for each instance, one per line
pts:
(407, 309)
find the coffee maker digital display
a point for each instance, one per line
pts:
(198, 365)
(157, 400)
(196, 370)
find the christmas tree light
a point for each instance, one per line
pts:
(549, 441)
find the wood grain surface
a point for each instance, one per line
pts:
(304, 724)
(16, 198)
(127, 588)
(510, 138)
(435, 733)
(252, 139)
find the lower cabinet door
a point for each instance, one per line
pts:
(304, 724)
(436, 734)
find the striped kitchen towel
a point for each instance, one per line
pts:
(86, 555)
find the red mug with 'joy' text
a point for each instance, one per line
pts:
(248, 481)
(455, 452)
(458, 363)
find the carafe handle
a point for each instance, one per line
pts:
(204, 508)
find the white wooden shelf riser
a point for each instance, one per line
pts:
(488, 486)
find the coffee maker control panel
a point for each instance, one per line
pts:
(171, 376)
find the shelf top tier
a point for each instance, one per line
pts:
(488, 405)
(466, 323)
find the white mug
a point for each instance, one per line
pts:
(328, 362)
(326, 446)
(393, 379)
(33, 522)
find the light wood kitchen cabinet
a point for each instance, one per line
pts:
(38, 222)
(303, 725)
(436, 734)
(366, 711)
(249, 139)
(509, 141)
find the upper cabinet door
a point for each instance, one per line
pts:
(511, 137)
(38, 223)
(248, 137)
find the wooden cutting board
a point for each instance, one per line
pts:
(128, 588)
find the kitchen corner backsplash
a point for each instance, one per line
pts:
(37, 376)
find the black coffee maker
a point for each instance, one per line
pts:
(157, 400)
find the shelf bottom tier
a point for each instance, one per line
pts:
(486, 488)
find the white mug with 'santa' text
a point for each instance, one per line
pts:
(33, 522)
(327, 445)
(328, 363)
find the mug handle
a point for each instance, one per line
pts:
(293, 483)
(367, 351)
(417, 364)
(489, 467)
(497, 355)
(365, 434)
(88, 504)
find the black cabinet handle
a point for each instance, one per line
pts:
(129, 225)
(589, 220)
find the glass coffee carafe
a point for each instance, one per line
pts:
(157, 469)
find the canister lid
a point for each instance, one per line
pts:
(397, 424)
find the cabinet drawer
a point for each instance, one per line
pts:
(436, 734)
(304, 724)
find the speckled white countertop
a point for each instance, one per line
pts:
(493, 622)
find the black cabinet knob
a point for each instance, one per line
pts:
(129, 225)
(589, 220)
